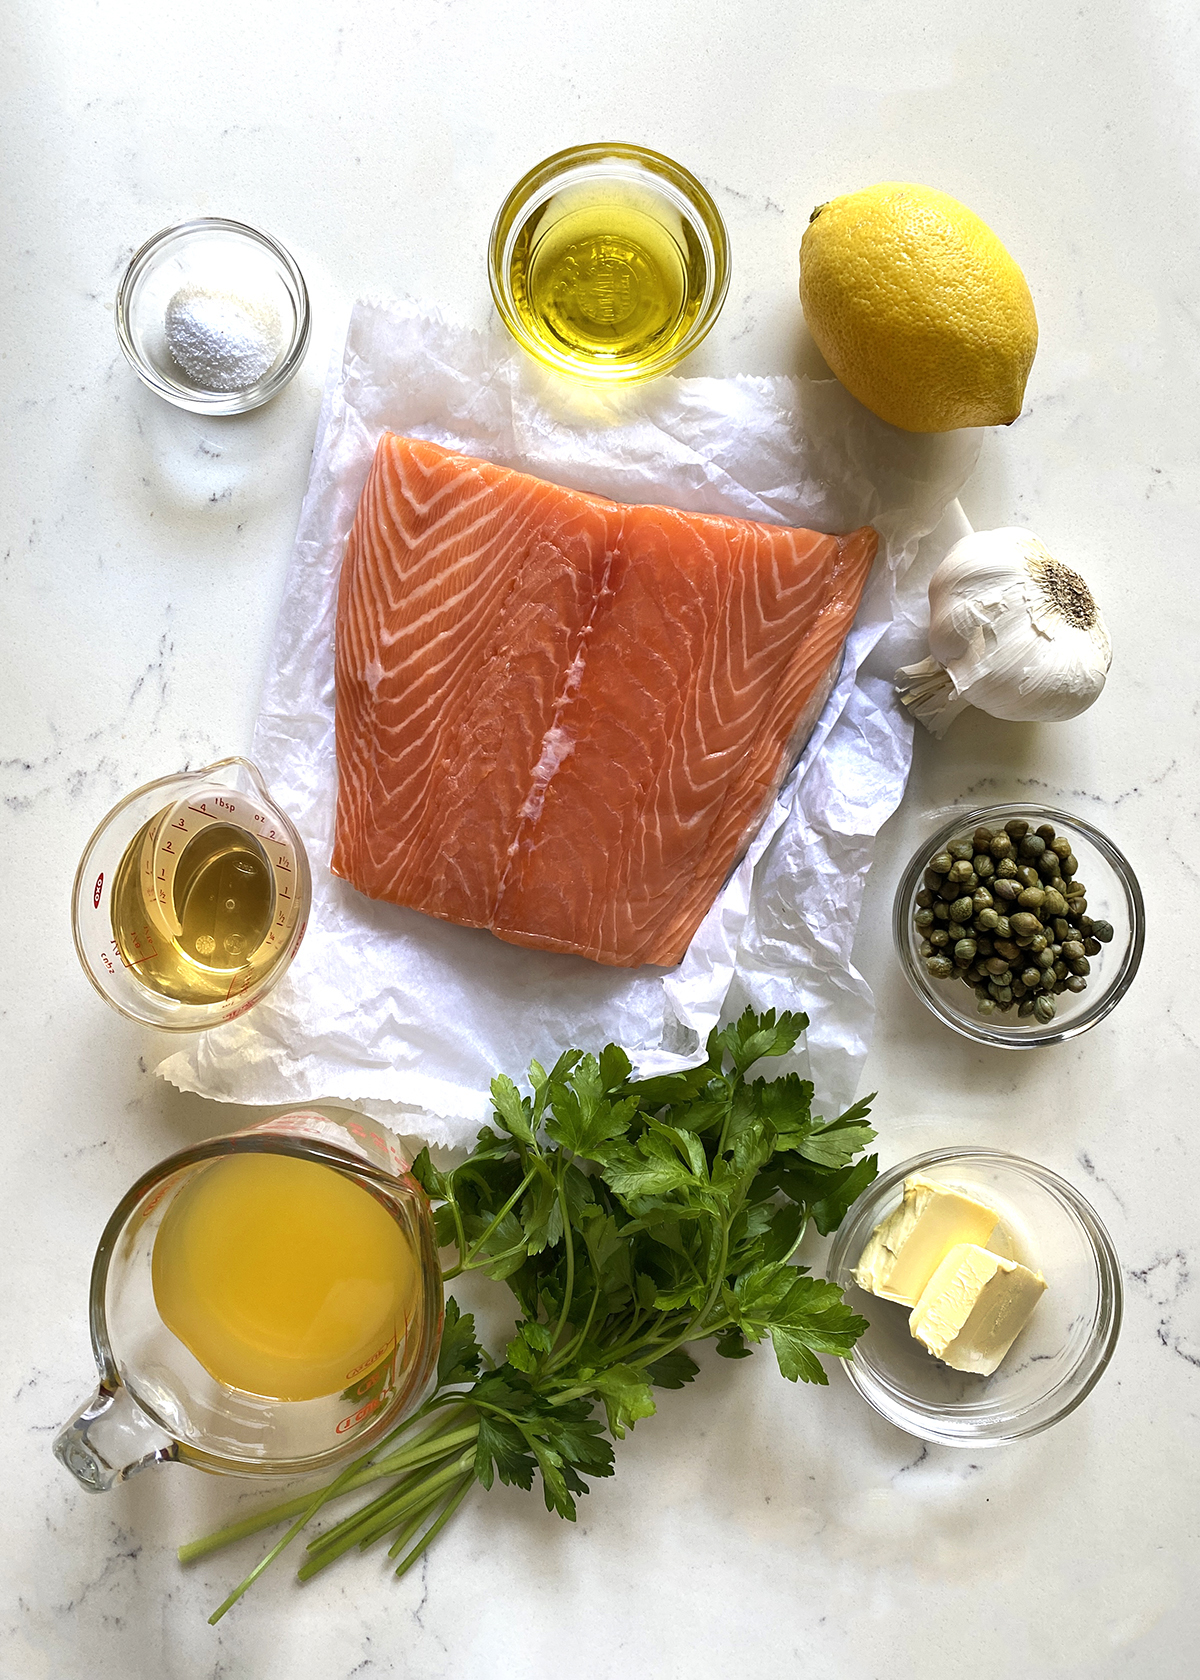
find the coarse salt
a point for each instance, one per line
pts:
(221, 341)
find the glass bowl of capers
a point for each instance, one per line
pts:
(1019, 926)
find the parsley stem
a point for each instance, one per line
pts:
(411, 1527)
(353, 1531)
(469, 1254)
(578, 1340)
(364, 1472)
(448, 1511)
(314, 1505)
(569, 1289)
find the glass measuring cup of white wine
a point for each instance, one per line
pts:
(191, 898)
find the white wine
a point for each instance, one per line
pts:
(207, 942)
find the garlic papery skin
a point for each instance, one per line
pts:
(1012, 631)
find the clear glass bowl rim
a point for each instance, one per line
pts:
(1054, 1032)
(1092, 1362)
(216, 402)
(524, 196)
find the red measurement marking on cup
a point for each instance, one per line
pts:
(360, 1414)
(99, 885)
(143, 942)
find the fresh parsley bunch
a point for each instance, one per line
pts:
(629, 1218)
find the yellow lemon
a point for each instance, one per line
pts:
(918, 308)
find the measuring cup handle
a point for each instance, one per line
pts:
(111, 1438)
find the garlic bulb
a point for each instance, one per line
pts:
(1012, 631)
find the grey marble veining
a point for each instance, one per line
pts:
(751, 1527)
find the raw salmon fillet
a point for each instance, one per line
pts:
(562, 718)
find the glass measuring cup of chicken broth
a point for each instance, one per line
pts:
(191, 898)
(608, 262)
(260, 1304)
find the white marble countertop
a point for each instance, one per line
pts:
(751, 1527)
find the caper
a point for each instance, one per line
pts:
(1023, 959)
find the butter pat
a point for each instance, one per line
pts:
(905, 1249)
(974, 1307)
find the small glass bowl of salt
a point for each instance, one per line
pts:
(213, 315)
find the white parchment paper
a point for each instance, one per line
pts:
(408, 1017)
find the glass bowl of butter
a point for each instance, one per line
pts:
(992, 1291)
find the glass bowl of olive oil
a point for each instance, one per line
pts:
(608, 262)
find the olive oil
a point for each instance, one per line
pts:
(208, 941)
(284, 1277)
(610, 276)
